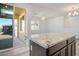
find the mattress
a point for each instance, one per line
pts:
(5, 37)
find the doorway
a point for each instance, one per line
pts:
(20, 24)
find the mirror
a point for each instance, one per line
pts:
(6, 26)
(6, 11)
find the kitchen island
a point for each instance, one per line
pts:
(53, 44)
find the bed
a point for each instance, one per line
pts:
(6, 41)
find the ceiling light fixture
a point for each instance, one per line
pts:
(73, 12)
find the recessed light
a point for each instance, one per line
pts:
(43, 18)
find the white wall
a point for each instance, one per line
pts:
(61, 24)
(56, 24)
(72, 25)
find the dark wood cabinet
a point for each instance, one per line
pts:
(62, 52)
(60, 47)
(71, 46)
(72, 49)
(57, 54)
(69, 49)
(65, 48)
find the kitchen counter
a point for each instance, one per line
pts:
(53, 44)
(49, 39)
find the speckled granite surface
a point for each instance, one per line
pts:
(49, 39)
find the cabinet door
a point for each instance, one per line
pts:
(72, 49)
(69, 50)
(52, 50)
(64, 51)
(57, 54)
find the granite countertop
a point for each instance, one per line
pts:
(49, 39)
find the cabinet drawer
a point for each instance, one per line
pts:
(56, 47)
(71, 39)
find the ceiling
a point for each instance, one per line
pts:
(48, 9)
(51, 9)
(19, 11)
